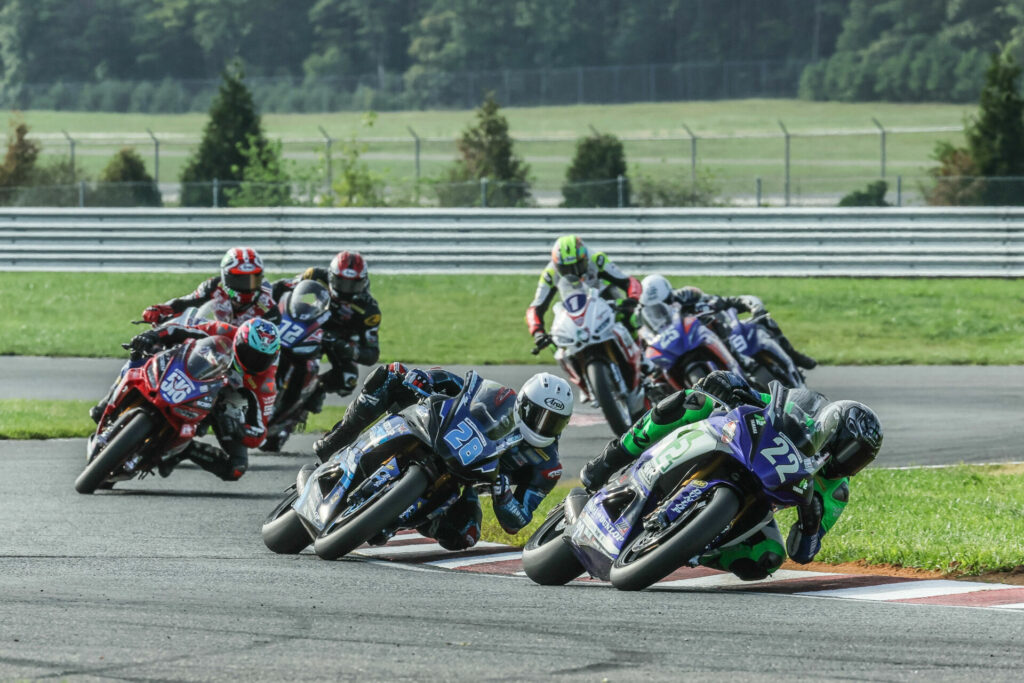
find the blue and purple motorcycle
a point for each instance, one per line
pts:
(749, 338)
(682, 347)
(704, 486)
(400, 473)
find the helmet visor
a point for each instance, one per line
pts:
(243, 282)
(253, 361)
(577, 268)
(542, 420)
(344, 285)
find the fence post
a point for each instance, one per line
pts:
(483, 192)
(417, 139)
(81, 194)
(899, 190)
(786, 134)
(881, 130)
(216, 191)
(328, 141)
(621, 180)
(156, 157)
(71, 144)
(693, 155)
(757, 187)
(579, 85)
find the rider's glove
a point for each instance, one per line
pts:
(541, 339)
(145, 342)
(805, 535)
(501, 491)
(419, 381)
(727, 387)
(343, 351)
(155, 314)
(628, 305)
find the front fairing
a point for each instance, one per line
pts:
(302, 338)
(582, 319)
(325, 489)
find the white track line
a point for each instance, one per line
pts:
(907, 590)
(415, 549)
(460, 562)
(717, 580)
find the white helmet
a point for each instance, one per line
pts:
(543, 408)
(656, 289)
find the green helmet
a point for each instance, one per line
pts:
(570, 256)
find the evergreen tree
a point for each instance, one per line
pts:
(486, 150)
(125, 182)
(996, 138)
(591, 180)
(234, 127)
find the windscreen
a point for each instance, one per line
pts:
(656, 316)
(308, 301)
(805, 419)
(493, 409)
(209, 358)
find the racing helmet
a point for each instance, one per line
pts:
(543, 408)
(241, 275)
(256, 345)
(347, 275)
(856, 441)
(656, 289)
(570, 256)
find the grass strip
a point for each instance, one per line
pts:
(962, 521)
(38, 419)
(479, 319)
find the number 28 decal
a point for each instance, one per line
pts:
(466, 441)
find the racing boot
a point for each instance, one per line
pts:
(167, 465)
(802, 360)
(213, 460)
(360, 413)
(96, 412)
(315, 402)
(613, 458)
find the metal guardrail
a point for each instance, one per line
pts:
(930, 242)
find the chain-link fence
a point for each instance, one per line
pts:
(782, 168)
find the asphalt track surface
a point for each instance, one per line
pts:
(167, 579)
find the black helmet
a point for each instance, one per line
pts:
(856, 440)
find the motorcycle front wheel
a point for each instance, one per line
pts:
(602, 383)
(283, 531)
(651, 557)
(547, 559)
(120, 448)
(345, 534)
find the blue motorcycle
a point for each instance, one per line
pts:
(705, 486)
(403, 472)
(764, 359)
(682, 347)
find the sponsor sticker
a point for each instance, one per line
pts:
(554, 403)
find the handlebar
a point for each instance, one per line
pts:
(540, 347)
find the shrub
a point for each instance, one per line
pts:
(168, 98)
(591, 179)
(874, 195)
(125, 182)
(670, 192)
(265, 179)
(141, 99)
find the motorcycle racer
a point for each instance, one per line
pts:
(570, 258)
(238, 293)
(853, 442)
(255, 345)
(656, 288)
(351, 334)
(527, 472)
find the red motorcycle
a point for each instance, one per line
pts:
(155, 411)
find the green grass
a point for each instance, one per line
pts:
(734, 163)
(962, 520)
(28, 419)
(444, 319)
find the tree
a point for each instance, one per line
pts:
(487, 152)
(125, 182)
(265, 178)
(592, 178)
(233, 127)
(20, 160)
(874, 195)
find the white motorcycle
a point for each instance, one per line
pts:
(598, 354)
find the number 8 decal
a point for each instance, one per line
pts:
(465, 441)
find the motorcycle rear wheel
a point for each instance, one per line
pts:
(120, 448)
(547, 559)
(634, 572)
(345, 536)
(283, 531)
(602, 383)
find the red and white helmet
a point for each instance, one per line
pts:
(241, 275)
(347, 275)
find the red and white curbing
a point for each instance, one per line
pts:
(410, 548)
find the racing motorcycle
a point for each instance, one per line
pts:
(768, 361)
(155, 411)
(403, 472)
(705, 486)
(303, 312)
(682, 347)
(597, 353)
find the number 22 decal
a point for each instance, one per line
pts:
(466, 441)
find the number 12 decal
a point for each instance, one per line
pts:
(466, 441)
